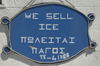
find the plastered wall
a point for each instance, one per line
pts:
(90, 57)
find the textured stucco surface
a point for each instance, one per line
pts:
(90, 57)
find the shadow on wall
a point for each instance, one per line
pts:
(18, 58)
(3, 29)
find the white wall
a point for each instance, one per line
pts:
(90, 57)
